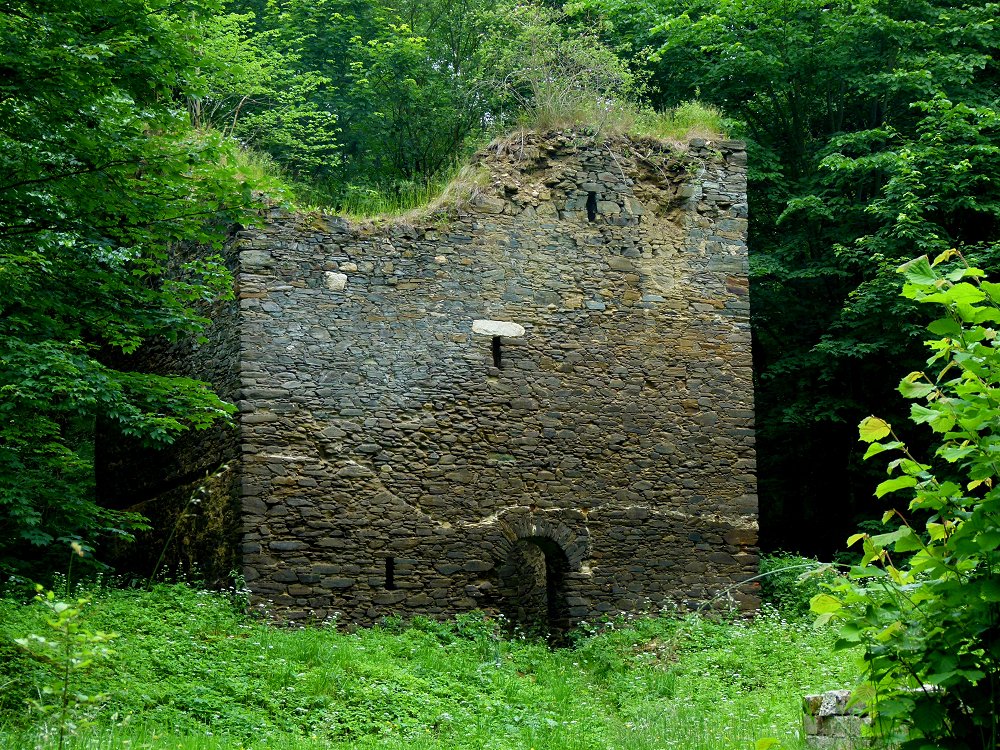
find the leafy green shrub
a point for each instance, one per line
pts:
(788, 582)
(97, 162)
(925, 599)
(555, 76)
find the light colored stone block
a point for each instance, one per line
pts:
(497, 328)
(336, 282)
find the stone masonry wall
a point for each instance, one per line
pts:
(390, 467)
(831, 721)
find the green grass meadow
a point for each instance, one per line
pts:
(191, 671)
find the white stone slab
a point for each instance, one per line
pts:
(497, 328)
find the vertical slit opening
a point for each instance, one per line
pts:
(591, 206)
(496, 352)
(390, 573)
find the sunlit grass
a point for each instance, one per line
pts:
(680, 124)
(412, 201)
(677, 125)
(191, 673)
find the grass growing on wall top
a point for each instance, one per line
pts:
(415, 201)
(419, 200)
(680, 124)
(190, 672)
(676, 125)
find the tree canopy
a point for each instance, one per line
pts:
(100, 175)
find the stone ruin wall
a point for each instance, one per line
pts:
(833, 721)
(198, 539)
(383, 464)
(390, 467)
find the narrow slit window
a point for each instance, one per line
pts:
(390, 573)
(496, 352)
(591, 206)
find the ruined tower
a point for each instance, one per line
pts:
(538, 403)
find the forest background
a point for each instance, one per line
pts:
(129, 125)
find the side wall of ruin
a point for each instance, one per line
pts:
(189, 490)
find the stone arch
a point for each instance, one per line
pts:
(538, 558)
(523, 524)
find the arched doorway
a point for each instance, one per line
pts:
(533, 586)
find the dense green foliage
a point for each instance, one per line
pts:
(254, 88)
(100, 174)
(188, 665)
(789, 582)
(925, 601)
(412, 87)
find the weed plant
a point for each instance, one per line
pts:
(788, 582)
(192, 672)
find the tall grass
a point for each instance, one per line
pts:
(413, 200)
(679, 124)
(407, 199)
(192, 673)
